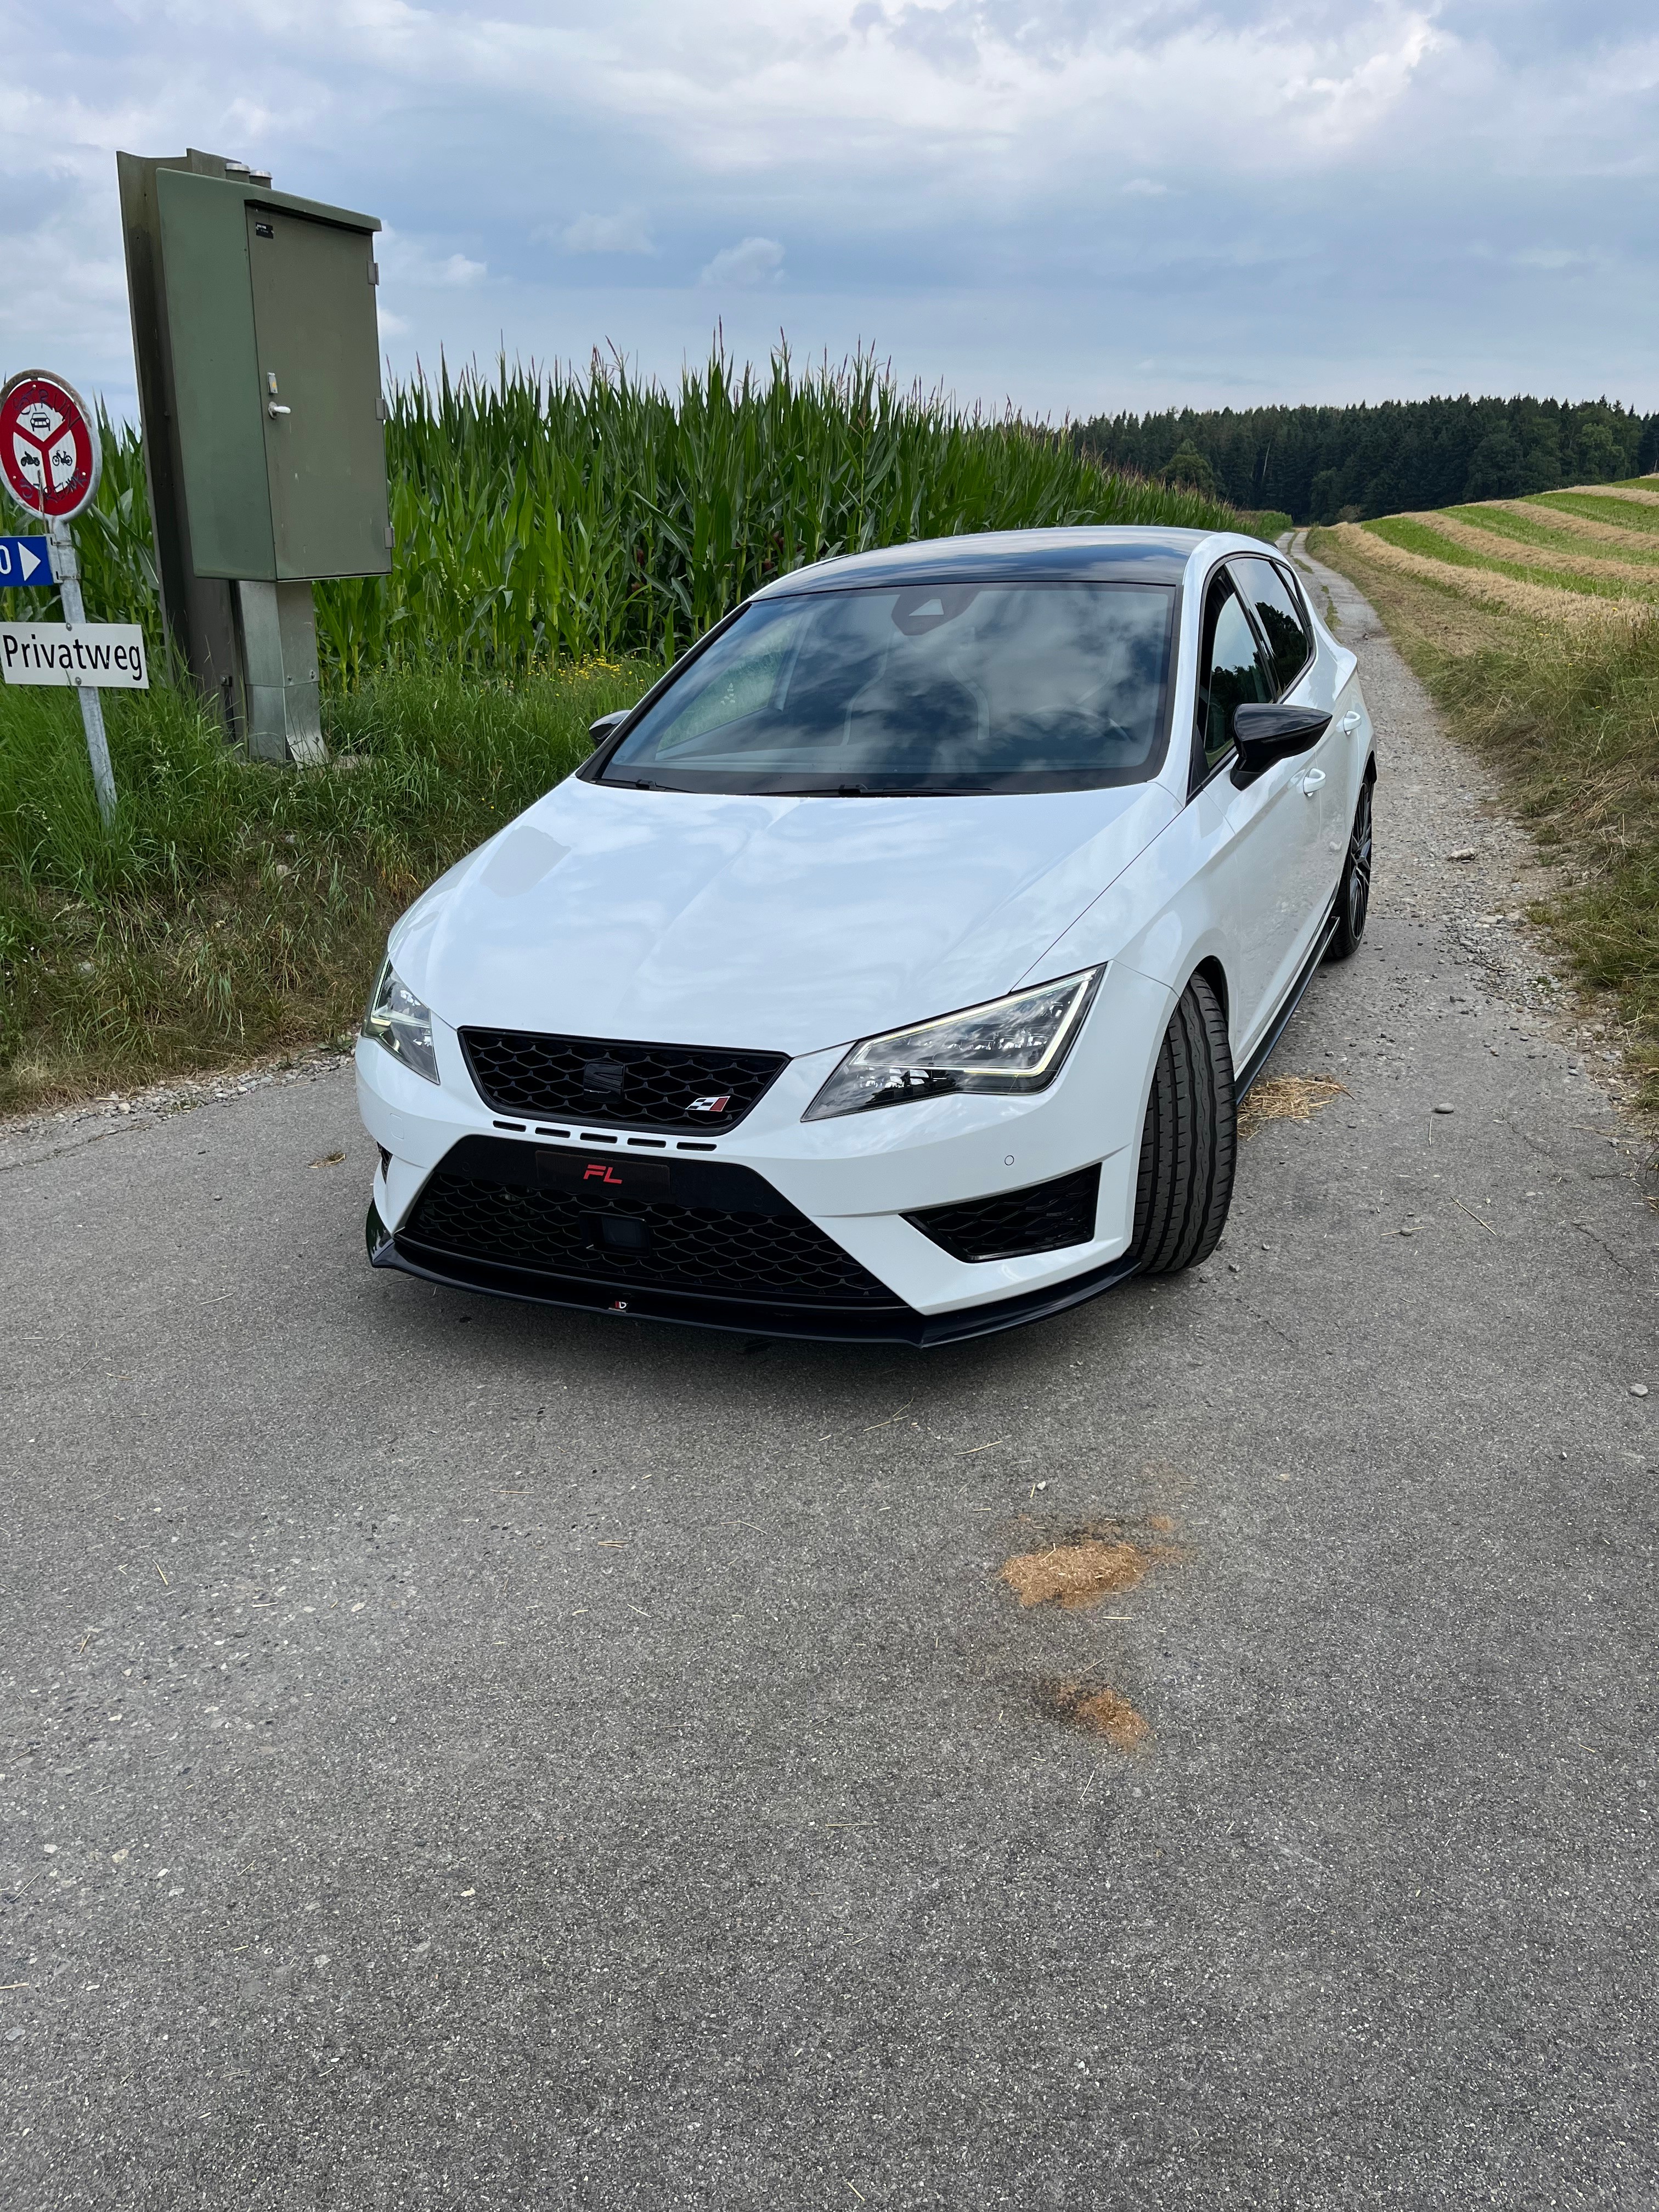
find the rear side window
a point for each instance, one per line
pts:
(1232, 670)
(1281, 617)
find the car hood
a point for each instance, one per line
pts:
(776, 923)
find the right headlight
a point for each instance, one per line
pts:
(399, 1021)
(1014, 1044)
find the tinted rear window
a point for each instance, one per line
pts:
(932, 688)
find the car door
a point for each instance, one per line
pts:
(1254, 838)
(1319, 774)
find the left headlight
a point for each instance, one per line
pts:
(398, 1020)
(1014, 1044)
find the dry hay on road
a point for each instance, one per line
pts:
(1287, 1098)
(1099, 1709)
(1081, 1571)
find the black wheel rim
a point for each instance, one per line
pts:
(1360, 864)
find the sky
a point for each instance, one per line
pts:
(1069, 206)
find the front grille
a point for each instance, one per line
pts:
(1044, 1218)
(705, 1227)
(650, 1086)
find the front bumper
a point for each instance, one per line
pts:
(857, 1180)
(897, 1324)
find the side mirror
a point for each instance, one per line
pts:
(608, 725)
(1265, 734)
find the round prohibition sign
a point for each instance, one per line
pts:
(49, 454)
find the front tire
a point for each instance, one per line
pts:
(1354, 894)
(1189, 1143)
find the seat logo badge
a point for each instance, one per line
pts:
(600, 1171)
(717, 1104)
(603, 1079)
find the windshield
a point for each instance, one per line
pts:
(932, 688)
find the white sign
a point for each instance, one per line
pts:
(100, 656)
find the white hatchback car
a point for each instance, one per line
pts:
(893, 969)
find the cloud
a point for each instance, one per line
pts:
(748, 266)
(412, 261)
(1552, 257)
(1352, 188)
(607, 233)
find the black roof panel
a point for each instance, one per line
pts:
(1122, 555)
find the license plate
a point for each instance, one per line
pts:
(601, 1179)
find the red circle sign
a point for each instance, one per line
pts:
(49, 453)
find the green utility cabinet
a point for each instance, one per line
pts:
(275, 364)
(257, 352)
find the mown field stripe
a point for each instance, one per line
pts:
(1627, 513)
(1429, 543)
(1573, 560)
(1566, 534)
(1468, 579)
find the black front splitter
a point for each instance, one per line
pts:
(886, 1324)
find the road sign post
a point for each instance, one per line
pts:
(50, 459)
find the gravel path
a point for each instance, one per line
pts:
(451, 1755)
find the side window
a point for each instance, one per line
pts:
(1279, 616)
(1232, 669)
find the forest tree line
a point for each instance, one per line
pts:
(1347, 464)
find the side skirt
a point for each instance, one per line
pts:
(1258, 1060)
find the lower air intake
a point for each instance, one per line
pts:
(705, 1228)
(1046, 1217)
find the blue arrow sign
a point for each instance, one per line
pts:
(25, 561)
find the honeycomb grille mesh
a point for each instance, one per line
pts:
(652, 1086)
(1044, 1218)
(778, 1255)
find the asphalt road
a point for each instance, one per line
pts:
(456, 1754)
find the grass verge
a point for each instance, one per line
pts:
(240, 909)
(1570, 718)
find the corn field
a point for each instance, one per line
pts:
(547, 518)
